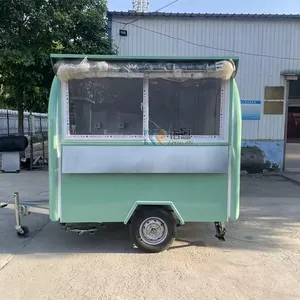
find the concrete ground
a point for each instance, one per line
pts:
(259, 260)
(292, 176)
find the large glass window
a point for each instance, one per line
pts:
(112, 107)
(181, 107)
(106, 106)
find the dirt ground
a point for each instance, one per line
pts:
(259, 260)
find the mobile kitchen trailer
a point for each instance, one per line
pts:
(154, 142)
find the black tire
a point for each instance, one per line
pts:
(164, 218)
(25, 232)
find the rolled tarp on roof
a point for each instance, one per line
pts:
(68, 69)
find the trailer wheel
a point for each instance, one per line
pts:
(153, 230)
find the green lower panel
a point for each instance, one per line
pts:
(109, 197)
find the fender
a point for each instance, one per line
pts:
(156, 203)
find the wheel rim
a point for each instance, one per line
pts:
(153, 231)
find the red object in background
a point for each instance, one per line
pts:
(292, 126)
(297, 120)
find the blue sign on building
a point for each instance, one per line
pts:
(251, 109)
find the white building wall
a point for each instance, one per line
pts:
(271, 39)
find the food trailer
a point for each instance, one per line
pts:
(153, 142)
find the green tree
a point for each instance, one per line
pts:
(30, 30)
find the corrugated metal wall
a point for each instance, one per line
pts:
(272, 38)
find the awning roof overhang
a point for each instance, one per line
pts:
(81, 66)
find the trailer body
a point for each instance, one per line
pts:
(128, 134)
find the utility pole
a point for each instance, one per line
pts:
(140, 5)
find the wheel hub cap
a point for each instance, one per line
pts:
(153, 231)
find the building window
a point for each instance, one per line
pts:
(294, 89)
(185, 107)
(106, 107)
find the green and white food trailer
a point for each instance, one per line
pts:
(153, 142)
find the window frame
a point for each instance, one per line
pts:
(224, 117)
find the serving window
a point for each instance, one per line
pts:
(187, 107)
(107, 107)
(120, 108)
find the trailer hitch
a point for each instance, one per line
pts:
(220, 231)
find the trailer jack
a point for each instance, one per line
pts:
(220, 231)
(21, 210)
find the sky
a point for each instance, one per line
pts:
(216, 6)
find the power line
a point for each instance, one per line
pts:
(209, 47)
(167, 5)
(131, 22)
